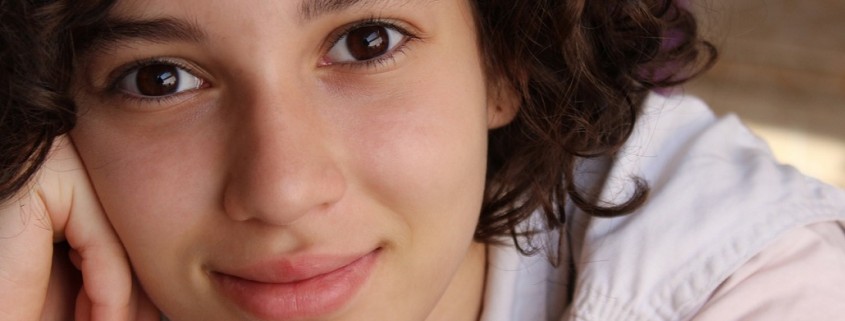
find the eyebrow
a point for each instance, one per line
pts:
(311, 9)
(116, 30)
(113, 31)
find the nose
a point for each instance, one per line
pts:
(281, 164)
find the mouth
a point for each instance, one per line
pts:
(296, 288)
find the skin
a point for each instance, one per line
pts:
(283, 151)
(40, 281)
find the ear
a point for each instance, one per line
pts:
(503, 103)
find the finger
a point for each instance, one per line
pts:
(83, 307)
(146, 310)
(106, 275)
(65, 284)
(75, 259)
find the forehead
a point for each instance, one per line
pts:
(309, 9)
(303, 10)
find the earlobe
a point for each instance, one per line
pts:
(503, 103)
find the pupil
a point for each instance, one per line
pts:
(157, 80)
(366, 43)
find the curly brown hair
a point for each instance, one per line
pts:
(581, 70)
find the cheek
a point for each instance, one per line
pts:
(427, 155)
(424, 156)
(441, 151)
(150, 182)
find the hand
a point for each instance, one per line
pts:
(60, 206)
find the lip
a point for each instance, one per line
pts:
(293, 288)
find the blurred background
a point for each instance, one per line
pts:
(782, 70)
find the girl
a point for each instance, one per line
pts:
(390, 160)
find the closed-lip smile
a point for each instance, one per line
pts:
(298, 287)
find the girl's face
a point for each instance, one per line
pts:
(292, 160)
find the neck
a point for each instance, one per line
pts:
(463, 299)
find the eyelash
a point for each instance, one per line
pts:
(121, 73)
(375, 63)
(380, 61)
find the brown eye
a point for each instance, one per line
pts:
(365, 43)
(158, 80)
